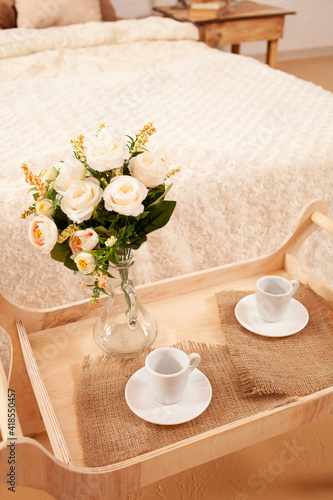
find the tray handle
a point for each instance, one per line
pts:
(323, 221)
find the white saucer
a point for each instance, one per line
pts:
(195, 400)
(295, 319)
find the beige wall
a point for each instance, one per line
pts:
(308, 33)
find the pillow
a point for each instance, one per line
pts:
(7, 14)
(42, 14)
(108, 13)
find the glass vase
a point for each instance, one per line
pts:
(125, 328)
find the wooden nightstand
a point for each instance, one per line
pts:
(243, 22)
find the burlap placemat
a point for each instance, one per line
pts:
(299, 364)
(111, 432)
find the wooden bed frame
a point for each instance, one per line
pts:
(48, 347)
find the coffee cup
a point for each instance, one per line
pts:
(167, 373)
(273, 295)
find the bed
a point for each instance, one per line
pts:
(254, 144)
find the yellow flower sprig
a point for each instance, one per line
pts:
(67, 233)
(100, 128)
(34, 180)
(173, 172)
(37, 182)
(79, 148)
(26, 213)
(99, 286)
(101, 279)
(143, 136)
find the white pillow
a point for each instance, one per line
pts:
(45, 13)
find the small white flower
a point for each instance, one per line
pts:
(81, 198)
(45, 207)
(43, 233)
(83, 240)
(49, 174)
(106, 151)
(125, 195)
(85, 262)
(71, 171)
(111, 241)
(148, 169)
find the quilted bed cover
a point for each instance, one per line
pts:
(254, 144)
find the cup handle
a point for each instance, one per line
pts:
(295, 285)
(196, 357)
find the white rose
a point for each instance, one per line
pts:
(43, 233)
(80, 199)
(45, 207)
(125, 195)
(148, 169)
(70, 171)
(49, 174)
(83, 240)
(105, 151)
(85, 262)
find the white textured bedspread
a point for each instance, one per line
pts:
(254, 144)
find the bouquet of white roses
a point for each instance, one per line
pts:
(99, 204)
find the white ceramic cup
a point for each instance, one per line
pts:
(167, 373)
(273, 295)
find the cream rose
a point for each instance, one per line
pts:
(105, 151)
(43, 233)
(49, 174)
(71, 171)
(85, 262)
(45, 207)
(80, 199)
(125, 195)
(83, 240)
(148, 169)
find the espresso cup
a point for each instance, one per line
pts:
(167, 373)
(273, 295)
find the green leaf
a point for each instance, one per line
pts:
(158, 217)
(60, 251)
(161, 198)
(142, 216)
(102, 230)
(136, 153)
(136, 243)
(111, 256)
(126, 170)
(154, 194)
(70, 263)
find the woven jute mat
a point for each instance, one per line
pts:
(111, 432)
(299, 364)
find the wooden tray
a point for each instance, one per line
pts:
(49, 345)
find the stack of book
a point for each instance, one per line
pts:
(209, 8)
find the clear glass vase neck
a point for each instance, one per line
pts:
(125, 327)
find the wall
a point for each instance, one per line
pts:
(308, 33)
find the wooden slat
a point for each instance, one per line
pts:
(54, 432)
